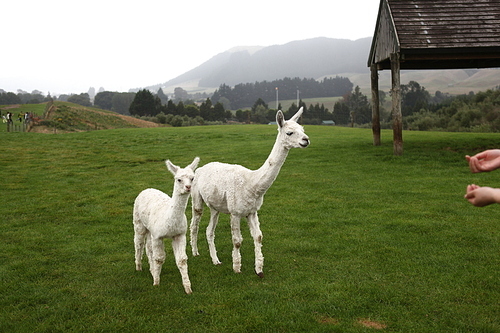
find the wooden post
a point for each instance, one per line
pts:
(397, 118)
(375, 106)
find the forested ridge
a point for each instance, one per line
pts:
(245, 94)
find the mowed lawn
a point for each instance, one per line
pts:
(355, 239)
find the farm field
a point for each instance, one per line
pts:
(355, 239)
(328, 102)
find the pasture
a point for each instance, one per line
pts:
(328, 102)
(355, 239)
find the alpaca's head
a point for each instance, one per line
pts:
(183, 178)
(291, 133)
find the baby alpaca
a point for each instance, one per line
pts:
(157, 216)
(238, 191)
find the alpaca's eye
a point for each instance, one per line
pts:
(192, 178)
(179, 180)
(289, 133)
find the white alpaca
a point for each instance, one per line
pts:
(157, 216)
(238, 191)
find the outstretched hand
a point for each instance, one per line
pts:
(482, 196)
(485, 161)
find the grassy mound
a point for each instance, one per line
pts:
(68, 117)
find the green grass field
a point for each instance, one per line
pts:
(355, 239)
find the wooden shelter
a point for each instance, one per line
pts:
(430, 34)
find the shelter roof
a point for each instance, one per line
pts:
(437, 34)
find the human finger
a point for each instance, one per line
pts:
(474, 165)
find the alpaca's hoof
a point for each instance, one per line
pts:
(260, 274)
(188, 290)
(196, 254)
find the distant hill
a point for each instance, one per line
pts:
(317, 58)
(310, 58)
(452, 81)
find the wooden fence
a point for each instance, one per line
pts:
(18, 127)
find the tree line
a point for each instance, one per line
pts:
(473, 112)
(421, 111)
(23, 97)
(148, 106)
(36, 97)
(151, 107)
(245, 94)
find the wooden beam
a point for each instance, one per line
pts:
(375, 106)
(397, 117)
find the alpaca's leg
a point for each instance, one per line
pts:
(179, 247)
(158, 256)
(197, 208)
(254, 224)
(237, 239)
(214, 218)
(139, 239)
(149, 252)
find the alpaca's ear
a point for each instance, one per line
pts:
(171, 167)
(298, 114)
(280, 119)
(194, 164)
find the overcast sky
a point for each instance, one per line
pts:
(68, 46)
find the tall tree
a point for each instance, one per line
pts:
(171, 107)
(104, 100)
(259, 102)
(7, 98)
(121, 102)
(219, 112)
(359, 107)
(144, 104)
(161, 95)
(180, 109)
(180, 94)
(414, 97)
(82, 99)
(205, 109)
(91, 92)
(341, 113)
(191, 111)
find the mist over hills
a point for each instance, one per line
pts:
(310, 58)
(317, 58)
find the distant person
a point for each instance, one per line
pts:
(485, 161)
(9, 117)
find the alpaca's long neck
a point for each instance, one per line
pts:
(267, 173)
(178, 202)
